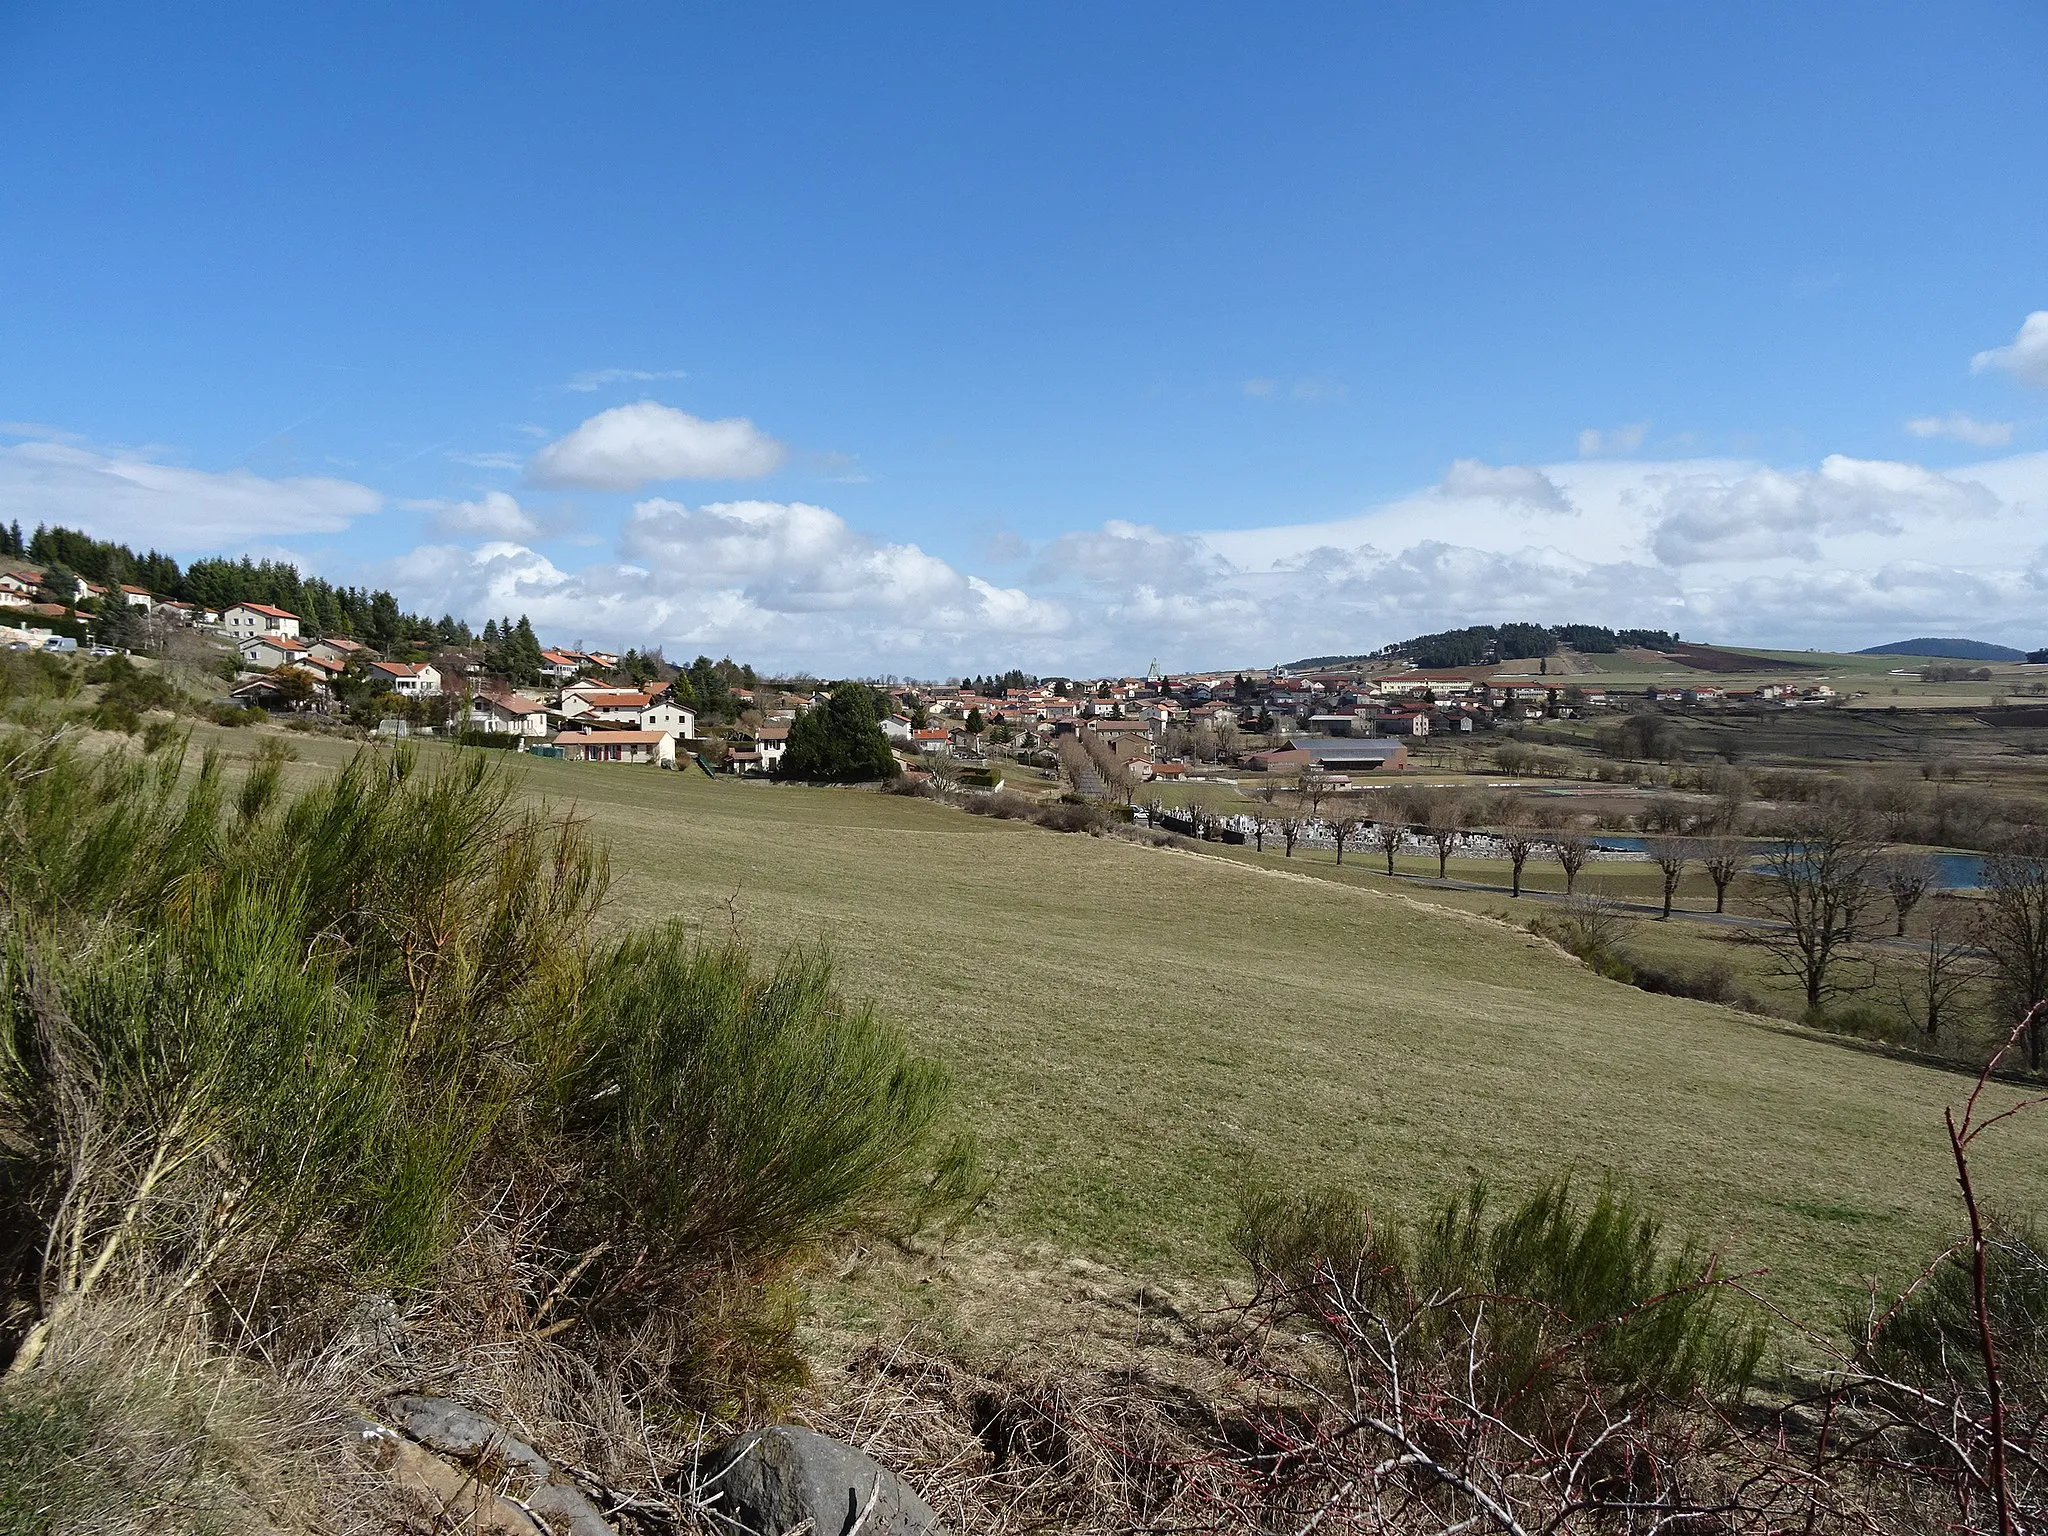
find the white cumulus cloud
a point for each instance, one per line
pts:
(1964, 429)
(2026, 357)
(1772, 513)
(1843, 553)
(1125, 554)
(1515, 483)
(136, 499)
(627, 446)
(494, 515)
(783, 583)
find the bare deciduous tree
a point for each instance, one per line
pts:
(1731, 790)
(1671, 855)
(1387, 836)
(1518, 835)
(1666, 813)
(2015, 933)
(1947, 969)
(1291, 828)
(1814, 886)
(1226, 736)
(1572, 848)
(1724, 859)
(1444, 815)
(1344, 828)
(1311, 785)
(1906, 878)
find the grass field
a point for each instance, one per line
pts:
(1135, 1031)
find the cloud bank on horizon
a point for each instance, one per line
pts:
(1842, 553)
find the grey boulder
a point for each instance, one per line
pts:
(769, 1482)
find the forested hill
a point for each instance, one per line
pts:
(358, 613)
(1952, 650)
(1481, 644)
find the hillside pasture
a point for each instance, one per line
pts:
(1137, 1031)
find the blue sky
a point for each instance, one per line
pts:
(1068, 336)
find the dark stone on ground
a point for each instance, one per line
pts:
(454, 1430)
(770, 1481)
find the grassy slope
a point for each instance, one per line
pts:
(1136, 1029)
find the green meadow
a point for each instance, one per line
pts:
(1136, 1031)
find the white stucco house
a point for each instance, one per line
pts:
(259, 619)
(512, 714)
(667, 715)
(407, 679)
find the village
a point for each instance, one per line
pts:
(1373, 716)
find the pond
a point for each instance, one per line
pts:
(1953, 871)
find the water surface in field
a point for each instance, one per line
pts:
(1952, 871)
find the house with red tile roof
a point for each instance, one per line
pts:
(259, 619)
(510, 714)
(620, 705)
(409, 680)
(263, 652)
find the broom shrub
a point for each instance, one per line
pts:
(267, 1049)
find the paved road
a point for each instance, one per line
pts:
(1650, 908)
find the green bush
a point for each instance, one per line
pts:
(1932, 1337)
(720, 1109)
(32, 678)
(125, 686)
(1863, 1020)
(1559, 1295)
(273, 1050)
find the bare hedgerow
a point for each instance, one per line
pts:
(1594, 929)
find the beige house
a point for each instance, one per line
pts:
(618, 705)
(263, 652)
(259, 619)
(510, 714)
(407, 679)
(337, 650)
(667, 715)
(618, 747)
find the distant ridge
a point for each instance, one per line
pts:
(1948, 650)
